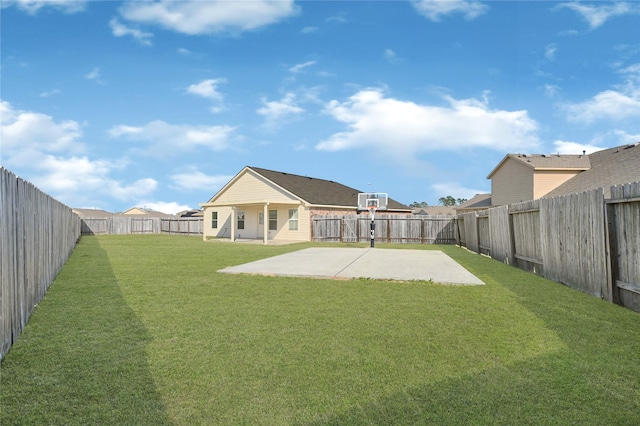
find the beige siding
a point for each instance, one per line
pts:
(252, 227)
(283, 233)
(251, 188)
(511, 183)
(546, 181)
(224, 222)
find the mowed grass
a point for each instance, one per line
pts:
(142, 330)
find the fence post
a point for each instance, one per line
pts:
(612, 253)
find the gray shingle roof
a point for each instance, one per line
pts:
(479, 201)
(319, 191)
(548, 162)
(609, 167)
(553, 161)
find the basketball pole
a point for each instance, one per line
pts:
(373, 228)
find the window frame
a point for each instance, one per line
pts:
(273, 221)
(293, 219)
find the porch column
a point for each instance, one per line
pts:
(233, 223)
(265, 224)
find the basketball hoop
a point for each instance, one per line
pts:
(372, 201)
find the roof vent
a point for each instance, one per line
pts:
(632, 145)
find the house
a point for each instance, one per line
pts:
(143, 211)
(435, 211)
(613, 166)
(92, 213)
(270, 205)
(477, 203)
(523, 177)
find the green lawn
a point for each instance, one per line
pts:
(142, 330)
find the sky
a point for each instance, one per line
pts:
(159, 104)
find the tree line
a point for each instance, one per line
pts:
(448, 201)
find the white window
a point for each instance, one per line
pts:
(293, 219)
(214, 220)
(273, 220)
(240, 219)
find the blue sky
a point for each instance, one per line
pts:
(159, 104)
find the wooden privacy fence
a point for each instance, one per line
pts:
(37, 235)
(580, 240)
(124, 225)
(407, 229)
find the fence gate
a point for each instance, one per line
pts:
(141, 226)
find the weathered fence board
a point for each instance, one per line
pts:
(471, 231)
(500, 240)
(125, 225)
(573, 237)
(182, 226)
(580, 240)
(37, 235)
(388, 229)
(525, 235)
(624, 206)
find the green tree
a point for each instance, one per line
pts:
(417, 205)
(447, 201)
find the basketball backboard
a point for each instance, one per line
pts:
(375, 200)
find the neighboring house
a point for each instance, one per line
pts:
(523, 177)
(190, 213)
(613, 166)
(435, 211)
(145, 211)
(271, 205)
(478, 202)
(92, 213)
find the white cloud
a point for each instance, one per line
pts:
(121, 30)
(574, 148)
(550, 51)
(455, 190)
(168, 139)
(551, 90)
(207, 89)
(71, 179)
(434, 10)
(397, 128)
(50, 93)
(94, 75)
(598, 15)
(24, 132)
(277, 111)
(33, 6)
(617, 105)
(209, 17)
(49, 151)
(297, 68)
(194, 179)
(164, 207)
(626, 138)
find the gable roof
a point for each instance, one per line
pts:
(613, 166)
(92, 213)
(478, 202)
(319, 191)
(548, 162)
(314, 191)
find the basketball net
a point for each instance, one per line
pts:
(372, 211)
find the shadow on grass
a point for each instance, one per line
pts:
(82, 358)
(547, 390)
(593, 378)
